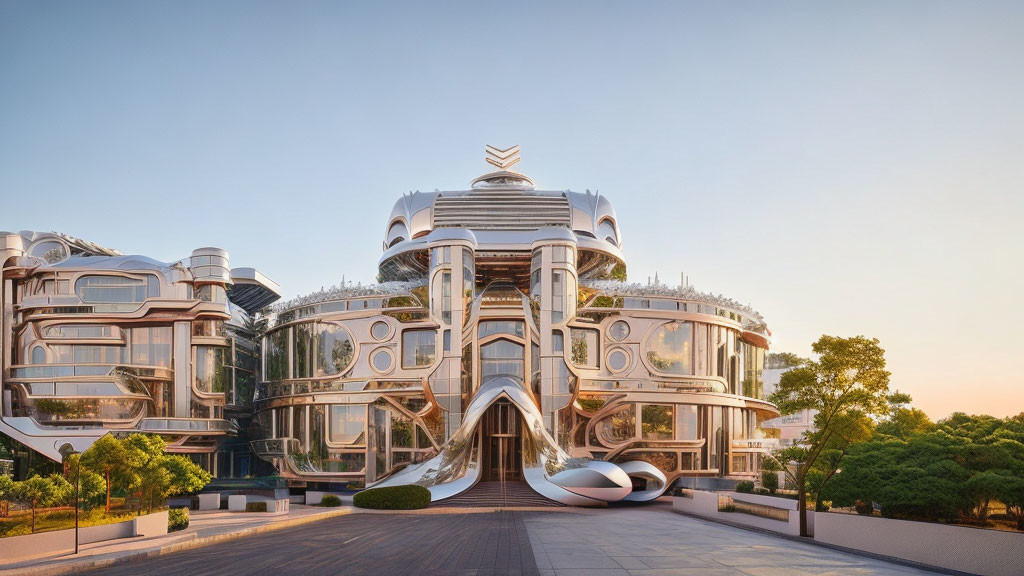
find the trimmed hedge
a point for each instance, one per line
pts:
(745, 487)
(255, 506)
(177, 519)
(407, 497)
(330, 501)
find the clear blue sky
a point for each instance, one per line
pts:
(847, 168)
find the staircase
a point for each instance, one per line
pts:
(498, 494)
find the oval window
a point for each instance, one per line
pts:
(381, 360)
(618, 360)
(618, 330)
(380, 330)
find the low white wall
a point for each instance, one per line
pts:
(154, 524)
(209, 501)
(237, 502)
(705, 505)
(313, 497)
(20, 548)
(974, 550)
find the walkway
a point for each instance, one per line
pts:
(204, 527)
(647, 540)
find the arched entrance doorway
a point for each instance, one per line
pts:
(502, 443)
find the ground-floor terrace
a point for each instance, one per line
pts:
(620, 540)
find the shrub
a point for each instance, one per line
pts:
(728, 508)
(330, 501)
(407, 497)
(177, 519)
(255, 506)
(863, 508)
(770, 480)
(745, 487)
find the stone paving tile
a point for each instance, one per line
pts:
(654, 541)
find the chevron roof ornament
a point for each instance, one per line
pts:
(502, 159)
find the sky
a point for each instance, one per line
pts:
(847, 168)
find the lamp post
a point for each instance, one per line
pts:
(78, 484)
(67, 450)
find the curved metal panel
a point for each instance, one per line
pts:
(548, 469)
(656, 481)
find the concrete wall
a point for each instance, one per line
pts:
(237, 502)
(705, 505)
(313, 497)
(209, 501)
(43, 544)
(974, 550)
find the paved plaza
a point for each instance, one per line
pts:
(650, 540)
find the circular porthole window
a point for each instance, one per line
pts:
(618, 360)
(382, 360)
(380, 330)
(618, 330)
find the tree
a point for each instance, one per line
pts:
(91, 489)
(848, 381)
(106, 456)
(63, 491)
(147, 478)
(6, 493)
(186, 476)
(904, 421)
(36, 491)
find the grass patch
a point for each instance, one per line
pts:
(19, 522)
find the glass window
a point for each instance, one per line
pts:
(380, 330)
(381, 360)
(277, 355)
(618, 360)
(447, 339)
(110, 289)
(656, 421)
(38, 355)
(514, 327)
(618, 330)
(78, 331)
(669, 349)
(446, 296)
(49, 251)
(557, 341)
(606, 230)
(620, 425)
(151, 346)
(585, 347)
(211, 293)
(418, 348)
(347, 423)
(302, 355)
(334, 349)
(212, 369)
(686, 422)
(557, 297)
(501, 358)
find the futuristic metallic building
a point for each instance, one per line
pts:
(95, 341)
(502, 343)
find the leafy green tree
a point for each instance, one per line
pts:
(63, 491)
(146, 478)
(6, 493)
(107, 456)
(91, 488)
(848, 381)
(36, 491)
(187, 477)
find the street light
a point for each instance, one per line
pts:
(67, 450)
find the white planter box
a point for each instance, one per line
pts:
(209, 501)
(236, 502)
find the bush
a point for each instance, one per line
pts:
(177, 519)
(745, 487)
(330, 501)
(407, 497)
(728, 508)
(770, 480)
(255, 506)
(863, 508)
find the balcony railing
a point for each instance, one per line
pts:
(207, 425)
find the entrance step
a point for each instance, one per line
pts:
(492, 494)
